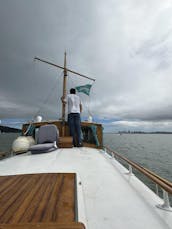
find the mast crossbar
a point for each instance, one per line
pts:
(55, 65)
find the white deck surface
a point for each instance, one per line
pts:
(108, 198)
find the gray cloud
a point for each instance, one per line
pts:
(125, 45)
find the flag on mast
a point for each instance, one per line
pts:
(84, 89)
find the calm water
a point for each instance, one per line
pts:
(6, 140)
(153, 151)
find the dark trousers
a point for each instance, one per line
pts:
(74, 122)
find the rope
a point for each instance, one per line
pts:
(29, 131)
(59, 88)
(48, 96)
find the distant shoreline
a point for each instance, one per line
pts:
(7, 129)
(138, 132)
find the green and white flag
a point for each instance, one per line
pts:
(84, 89)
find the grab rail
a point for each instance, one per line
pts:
(163, 183)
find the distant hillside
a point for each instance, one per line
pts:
(6, 129)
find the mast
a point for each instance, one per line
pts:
(64, 96)
(65, 70)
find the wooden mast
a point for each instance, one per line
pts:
(64, 96)
(64, 84)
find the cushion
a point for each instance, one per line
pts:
(43, 148)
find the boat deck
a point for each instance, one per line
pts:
(107, 197)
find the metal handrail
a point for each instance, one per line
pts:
(163, 183)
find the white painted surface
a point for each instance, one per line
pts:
(108, 198)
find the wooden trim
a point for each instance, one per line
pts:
(91, 145)
(163, 183)
(43, 226)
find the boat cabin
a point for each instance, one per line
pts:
(92, 133)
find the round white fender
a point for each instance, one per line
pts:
(22, 144)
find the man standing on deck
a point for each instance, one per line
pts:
(74, 119)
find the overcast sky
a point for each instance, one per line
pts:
(125, 44)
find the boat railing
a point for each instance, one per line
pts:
(165, 185)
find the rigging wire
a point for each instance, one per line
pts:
(49, 95)
(70, 82)
(59, 89)
(57, 84)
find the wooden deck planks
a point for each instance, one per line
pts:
(43, 226)
(38, 198)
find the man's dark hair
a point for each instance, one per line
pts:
(72, 91)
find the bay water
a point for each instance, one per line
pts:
(152, 151)
(6, 140)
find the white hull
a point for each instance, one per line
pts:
(107, 197)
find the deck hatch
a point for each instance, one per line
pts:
(38, 198)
